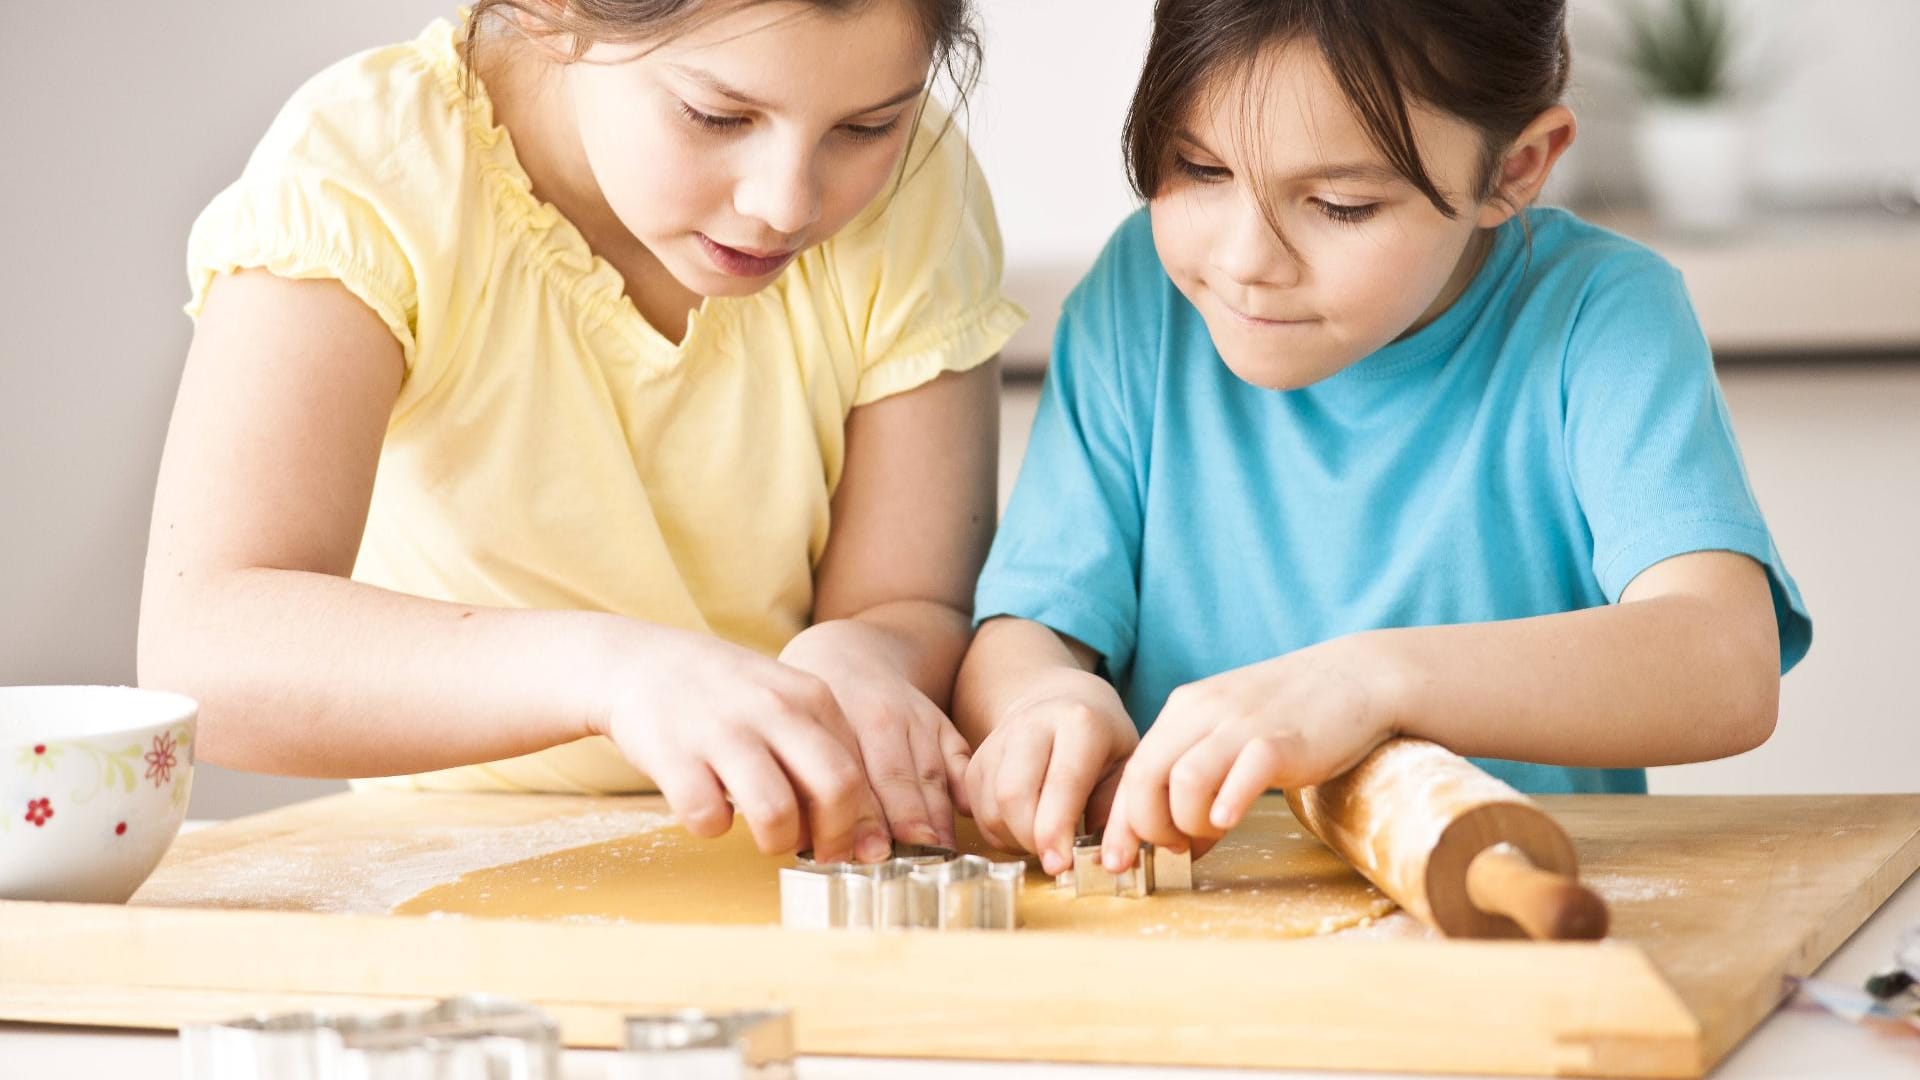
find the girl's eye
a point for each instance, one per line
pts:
(1349, 213)
(710, 121)
(870, 132)
(1206, 174)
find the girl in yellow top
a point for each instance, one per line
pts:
(589, 393)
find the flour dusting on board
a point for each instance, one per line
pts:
(1622, 888)
(294, 875)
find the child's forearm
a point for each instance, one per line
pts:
(1660, 681)
(1008, 657)
(922, 639)
(316, 675)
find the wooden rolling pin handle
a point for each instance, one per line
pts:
(1549, 907)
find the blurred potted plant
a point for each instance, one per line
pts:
(1692, 134)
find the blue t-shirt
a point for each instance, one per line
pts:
(1553, 433)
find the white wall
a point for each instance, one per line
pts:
(117, 127)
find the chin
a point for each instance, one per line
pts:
(1278, 373)
(701, 279)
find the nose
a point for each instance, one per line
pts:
(1249, 252)
(781, 190)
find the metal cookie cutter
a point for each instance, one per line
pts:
(919, 888)
(1156, 870)
(695, 1045)
(458, 1039)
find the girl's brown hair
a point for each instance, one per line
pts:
(1495, 64)
(946, 25)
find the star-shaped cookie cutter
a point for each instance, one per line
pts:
(919, 888)
(692, 1044)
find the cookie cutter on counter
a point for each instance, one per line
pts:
(694, 1045)
(920, 887)
(1156, 870)
(484, 1038)
(464, 1038)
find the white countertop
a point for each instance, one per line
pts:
(1797, 1041)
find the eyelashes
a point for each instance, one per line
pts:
(1344, 213)
(870, 132)
(726, 124)
(1206, 174)
(710, 121)
(1347, 214)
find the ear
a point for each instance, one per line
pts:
(1528, 162)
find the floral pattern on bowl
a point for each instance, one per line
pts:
(94, 783)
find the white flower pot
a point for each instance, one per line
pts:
(1695, 161)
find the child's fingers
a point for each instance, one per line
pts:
(1078, 758)
(1100, 803)
(956, 755)
(699, 803)
(1146, 791)
(1143, 792)
(843, 817)
(1194, 782)
(1023, 769)
(923, 741)
(1254, 769)
(981, 773)
(895, 776)
(1120, 844)
(762, 794)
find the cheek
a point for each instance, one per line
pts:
(1180, 238)
(852, 181)
(649, 169)
(1390, 276)
(649, 175)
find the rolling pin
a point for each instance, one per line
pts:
(1461, 851)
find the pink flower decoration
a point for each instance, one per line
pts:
(38, 811)
(160, 760)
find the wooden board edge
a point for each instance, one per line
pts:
(1723, 1034)
(1513, 1008)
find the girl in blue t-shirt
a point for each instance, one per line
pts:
(1341, 441)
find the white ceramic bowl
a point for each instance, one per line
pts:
(93, 786)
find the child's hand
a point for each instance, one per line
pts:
(1219, 743)
(915, 760)
(717, 724)
(1054, 756)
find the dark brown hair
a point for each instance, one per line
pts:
(946, 26)
(1495, 64)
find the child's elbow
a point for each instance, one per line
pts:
(1759, 714)
(169, 656)
(1753, 688)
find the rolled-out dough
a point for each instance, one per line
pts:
(1269, 879)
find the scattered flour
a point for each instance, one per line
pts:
(291, 874)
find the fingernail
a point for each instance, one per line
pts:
(1113, 861)
(874, 848)
(1052, 863)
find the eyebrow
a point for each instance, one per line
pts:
(1352, 170)
(708, 80)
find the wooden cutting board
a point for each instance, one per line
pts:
(1716, 901)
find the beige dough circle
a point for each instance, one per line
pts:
(1269, 879)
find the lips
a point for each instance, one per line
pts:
(743, 263)
(1263, 320)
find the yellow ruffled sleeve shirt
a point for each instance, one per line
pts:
(549, 448)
